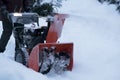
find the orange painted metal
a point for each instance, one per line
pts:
(33, 61)
(56, 28)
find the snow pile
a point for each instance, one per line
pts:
(10, 70)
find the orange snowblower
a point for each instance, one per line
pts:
(63, 52)
(36, 38)
(37, 45)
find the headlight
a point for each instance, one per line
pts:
(17, 14)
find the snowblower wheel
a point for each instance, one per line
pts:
(20, 57)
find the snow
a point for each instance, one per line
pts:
(94, 30)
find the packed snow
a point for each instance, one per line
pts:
(94, 28)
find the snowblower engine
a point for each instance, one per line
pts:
(27, 34)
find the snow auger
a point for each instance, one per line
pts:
(36, 42)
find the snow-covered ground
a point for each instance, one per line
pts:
(94, 29)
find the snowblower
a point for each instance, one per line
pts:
(36, 42)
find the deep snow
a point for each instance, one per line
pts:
(94, 30)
